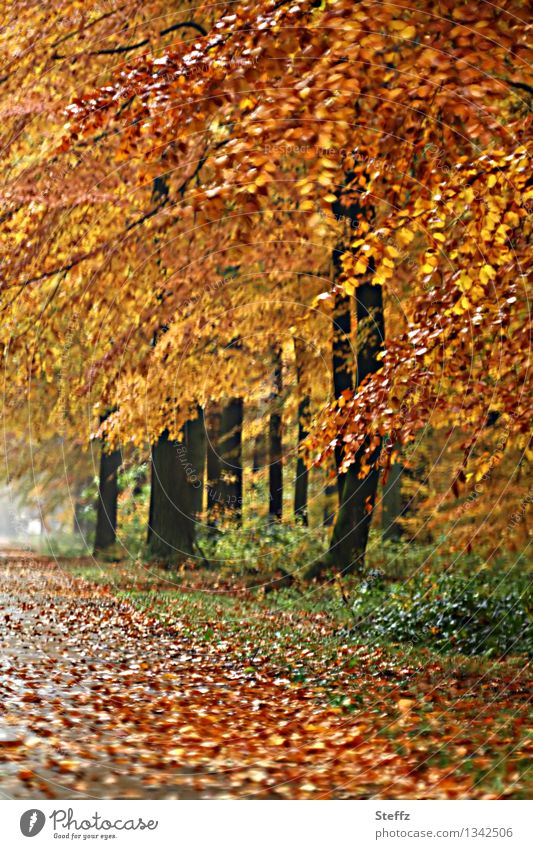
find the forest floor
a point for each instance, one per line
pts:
(134, 687)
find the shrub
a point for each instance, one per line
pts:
(478, 614)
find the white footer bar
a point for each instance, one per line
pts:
(267, 825)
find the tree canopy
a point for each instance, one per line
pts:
(182, 222)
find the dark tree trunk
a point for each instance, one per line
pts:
(302, 472)
(213, 461)
(230, 451)
(106, 508)
(350, 534)
(352, 525)
(393, 506)
(275, 476)
(259, 459)
(342, 360)
(331, 497)
(259, 462)
(195, 441)
(176, 493)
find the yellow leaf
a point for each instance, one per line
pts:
(405, 30)
(409, 32)
(464, 282)
(405, 236)
(317, 746)
(176, 753)
(487, 273)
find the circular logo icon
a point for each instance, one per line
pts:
(32, 822)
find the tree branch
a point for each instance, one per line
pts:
(190, 24)
(513, 84)
(110, 51)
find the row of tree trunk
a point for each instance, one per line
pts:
(178, 467)
(178, 477)
(210, 456)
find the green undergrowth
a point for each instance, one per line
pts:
(306, 639)
(482, 613)
(408, 598)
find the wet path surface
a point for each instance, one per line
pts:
(98, 700)
(82, 678)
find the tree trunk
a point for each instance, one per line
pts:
(175, 494)
(393, 506)
(195, 441)
(350, 533)
(342, 359)
(331, 499)
(275, 476)
(302, 472)
(259, 459)
(230, 451)
(106, 508)
(213, 462)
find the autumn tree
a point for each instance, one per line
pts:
(266, 122)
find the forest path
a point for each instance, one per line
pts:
(84, 689)
(99, 700)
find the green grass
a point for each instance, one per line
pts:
(307, 636)
(451, 613)
(410, 595)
